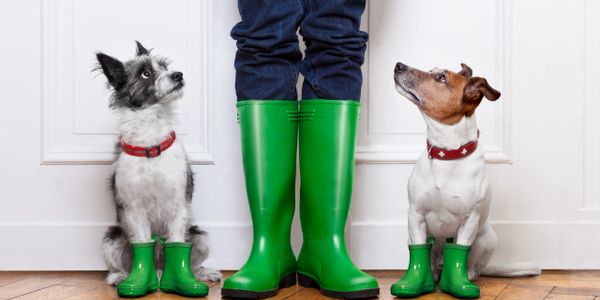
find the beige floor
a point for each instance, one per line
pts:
(576, 285)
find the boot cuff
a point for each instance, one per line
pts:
(456, 246)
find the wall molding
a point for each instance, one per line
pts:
(63, 144)
(498, 61)
(546, 241)
(229, 245)
(591, 110)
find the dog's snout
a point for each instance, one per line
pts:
(400, 67)
(177, 76)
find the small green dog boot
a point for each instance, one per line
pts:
(177, 275)
(142, 279)
(418, 278)
(454, 279)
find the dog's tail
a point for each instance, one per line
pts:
(511, 270)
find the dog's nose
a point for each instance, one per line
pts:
(400, 67)
(177, 76)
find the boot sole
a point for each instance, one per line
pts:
(130, 292)
(427, 290)
(285, 282)
(173, 290)
(307, 281)
(446, 290)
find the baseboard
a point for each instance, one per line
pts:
(550, 245)
(77, 246)
(374, 245)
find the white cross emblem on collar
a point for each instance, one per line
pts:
(442, 154)
(464, 151)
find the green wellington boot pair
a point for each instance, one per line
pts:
(177, 276)
(327, 137)
(418, 278)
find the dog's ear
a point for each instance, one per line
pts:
(465, 71)
(113, 69)
(141, 50)
(477, 88)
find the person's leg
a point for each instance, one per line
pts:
(327, 142)
(328, 123)
(335, 49)
(268, 58)
(267, 64)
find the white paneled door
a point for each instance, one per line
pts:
(542, 137)
(61, 133)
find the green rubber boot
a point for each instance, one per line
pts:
(177, 276)
(418, 278)
(142, 279)
(327, 141)
(269, 132)
(454, 279)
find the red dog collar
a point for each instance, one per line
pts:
(452, 154)
(149, 152)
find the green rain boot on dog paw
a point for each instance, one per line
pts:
(454, 279)
(418, 278)
(142, 278)
(177, 276)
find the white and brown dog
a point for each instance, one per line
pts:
(448, 190)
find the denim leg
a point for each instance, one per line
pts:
(268, 58)
(335, 49)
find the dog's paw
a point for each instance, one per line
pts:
(209, 274)
(115, 278)
(473, 275)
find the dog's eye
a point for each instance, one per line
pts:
(146, 74)
(440, 78)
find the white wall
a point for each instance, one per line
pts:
(542, 136)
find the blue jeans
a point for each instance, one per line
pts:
(268, 59)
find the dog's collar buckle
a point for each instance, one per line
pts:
(465, 150)
(148, 152)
